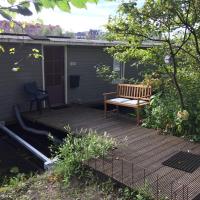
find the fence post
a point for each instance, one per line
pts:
(175, 195)
(187, 193)
(157, 188)
(87, 156)
(112, 166)
(95, 163)
(103, 161)
(183, 192)
(171, 191)
(132, 177)
(122, 171)
(144, 177)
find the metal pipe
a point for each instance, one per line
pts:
(47, 162)
(33, 130)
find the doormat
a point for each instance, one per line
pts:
(184, 161)
(197, 197)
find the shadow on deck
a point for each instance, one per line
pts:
(139, 159)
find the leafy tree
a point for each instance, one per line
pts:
(171, 31)
(23, 6)
(171, 26)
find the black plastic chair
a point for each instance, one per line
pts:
(36, 95)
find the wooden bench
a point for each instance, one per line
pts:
(129, 95)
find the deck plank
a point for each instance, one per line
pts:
(144, 148)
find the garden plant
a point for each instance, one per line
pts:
(171, 59)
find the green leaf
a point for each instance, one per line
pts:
(2, 49)
(79, 3)
(64, 6)
(23, 11)
(5, 15)
(11, 1)
(14, 170)
(93, 1)
(12, 24)
(47, 3)
(25, 4)
(38, 6)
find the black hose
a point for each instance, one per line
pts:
(32, 130)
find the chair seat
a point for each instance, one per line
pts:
(41, 96)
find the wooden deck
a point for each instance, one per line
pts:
(141, 148)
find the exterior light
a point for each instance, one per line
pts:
(168, 59)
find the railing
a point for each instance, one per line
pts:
(134, 176)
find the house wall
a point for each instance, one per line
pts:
(11, 83)
(132, 71)
(137, 72)
(82, 61)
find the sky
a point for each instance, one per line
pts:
(94, 17)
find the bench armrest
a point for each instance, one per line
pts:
(145, 99)
(107, 94)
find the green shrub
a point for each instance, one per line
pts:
(76, 150)
(165, 111)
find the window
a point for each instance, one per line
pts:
(116, 65)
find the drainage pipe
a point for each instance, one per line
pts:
(47, 162)
(32, 130)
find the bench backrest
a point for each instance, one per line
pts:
(133, 91)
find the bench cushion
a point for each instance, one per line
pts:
(126, 102)
(119, 100)
(134, 102)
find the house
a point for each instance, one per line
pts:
(67, 70)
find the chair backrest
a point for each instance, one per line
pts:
(31, 88)
(133, 91)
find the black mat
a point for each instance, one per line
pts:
(184, 161)
(197, 197)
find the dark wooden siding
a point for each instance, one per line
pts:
(11, 83)
(82, 62)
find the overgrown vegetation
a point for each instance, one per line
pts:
(76, 150)
(165, 111)
(171, 30)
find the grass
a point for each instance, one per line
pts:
(49, 187)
